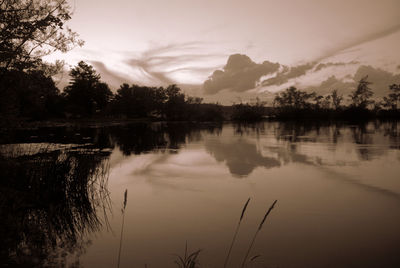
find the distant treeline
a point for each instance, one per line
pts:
(293, 103)
(33, 95)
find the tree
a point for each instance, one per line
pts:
(361, 96)
(318, 99)
(138, 101)
(30, 94)
(293, 98)
(336, 99)
(31, 29)
(393, 98)
(326, 102)
(174, 105)
(86, 94)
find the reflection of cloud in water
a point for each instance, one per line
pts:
(240, 156)
(173, 171)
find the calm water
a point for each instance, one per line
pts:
(337, 186)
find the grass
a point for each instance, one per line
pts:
(189, 260)
(122, 227)
(236, 232)
(49, 200)
(256, 233)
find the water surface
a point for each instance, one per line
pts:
(337, 187)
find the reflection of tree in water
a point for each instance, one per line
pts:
(240, 156)
(392, 130)
(144, 137)
(139, 138)
(48, 202)
(249, 129)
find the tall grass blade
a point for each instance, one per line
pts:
(236, 232)
(256, 233)
(189, 260)
(122, 227)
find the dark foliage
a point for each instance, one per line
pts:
(48, 202)
(29, 94)
(248, 112)
(296, 104)
(31, 29)
(86, 95)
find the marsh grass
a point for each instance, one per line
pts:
(188, 260)
(236, 232)
(122, 225)
(256, 233)
(49, 200)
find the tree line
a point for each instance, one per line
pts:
(33, 95)
(294, 103)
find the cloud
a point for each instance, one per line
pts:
(380, 79)
(288, 73)
(174, 63)
(240, 156)
(333, 64)
(333, 83)
(359, 41)
(114, 79)
(239, 74)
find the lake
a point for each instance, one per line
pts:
(337, 186)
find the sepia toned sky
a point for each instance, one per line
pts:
(157, 42)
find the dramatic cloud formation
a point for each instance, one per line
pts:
(288, 73)
(380, 79)
(242, 74)
(239, 74)
(237, 80)
(241, 156)
(174, 63)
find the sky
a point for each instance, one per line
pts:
(230, 50)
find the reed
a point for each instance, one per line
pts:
(122, 227)
(188, 260)
(50, 199)
(258, 230)
(236, 232)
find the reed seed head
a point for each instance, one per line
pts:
(244, 209)
(125, 198)
(266, 214)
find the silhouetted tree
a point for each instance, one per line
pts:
(361, 96)
(293, 98)
(31, 29)
(318, 99)
(174, 106)
(139, 101)
(326, 102)
(248, 112)
(393, 98)
(336, 99)
(29, 94)
(86, 94)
